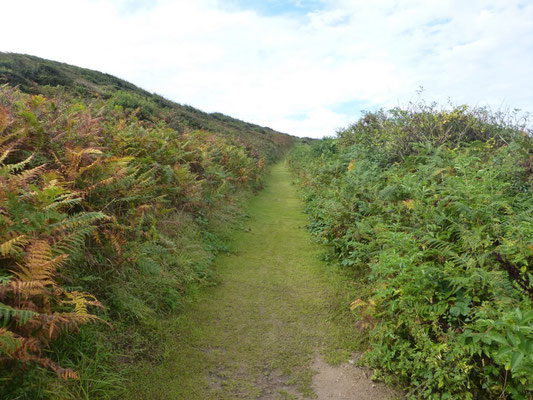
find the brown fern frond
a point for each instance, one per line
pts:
(24, 349)
(38, 252)
(18, 347)
(49, 326)
(25, 289)
(6, 118)
(65, 373)
(39, 265)
(116, 239)
(90, 166)
(21, 180)
(62, 166)
(34, 271)
(96, 237)
(74, 158)
(13, 244)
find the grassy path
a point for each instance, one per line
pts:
(257, 333)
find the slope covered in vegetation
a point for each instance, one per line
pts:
(35, 75)
(110, 214)
(437, 208)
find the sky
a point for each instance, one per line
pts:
(305, 67)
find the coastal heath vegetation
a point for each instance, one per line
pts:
(107, 225)
(434, 207)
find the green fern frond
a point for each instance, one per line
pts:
(65, 200)
(5, 279)
(10, 168)
(7, 313)
(9, 344)
(77, 221)
(69, 242)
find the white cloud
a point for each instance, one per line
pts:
(267, 69)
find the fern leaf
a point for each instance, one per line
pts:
(18, 166)
(7, 313)
(77, 221)
(81, 302)
(4, 155)
(65, 200)
(90, 166)
(9, 344)
(39, 264)
(24, 177)
(69, 242)
(22, 289)
(65, 373)
(4, 280)
(12, 245)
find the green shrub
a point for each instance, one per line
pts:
(437, 207)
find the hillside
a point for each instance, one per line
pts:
(35, 75)
(113, 205)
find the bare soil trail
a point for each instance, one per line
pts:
(269, 326)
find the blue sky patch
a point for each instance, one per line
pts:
(352, 108)
(298, 117)
(439, 21)
(279, 7)
(136, 6)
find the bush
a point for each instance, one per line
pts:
(437, 207)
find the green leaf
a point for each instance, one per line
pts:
(503, 352)
(496, 337)
(516, 359)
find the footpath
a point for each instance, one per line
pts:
(273, 325)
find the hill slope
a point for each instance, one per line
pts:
(35, 75)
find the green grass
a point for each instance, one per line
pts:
(257, 332)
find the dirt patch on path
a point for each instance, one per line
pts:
(347, 382)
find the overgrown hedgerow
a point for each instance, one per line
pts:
(437, 207)
(102, 210)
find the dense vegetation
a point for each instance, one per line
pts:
(35, 75)
(435, 207)
(109, 217)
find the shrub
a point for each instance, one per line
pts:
(436, 207)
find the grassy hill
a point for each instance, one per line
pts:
(35, 75)
(113, 204)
